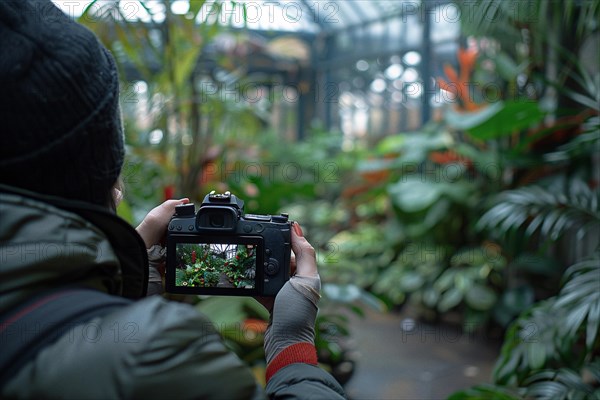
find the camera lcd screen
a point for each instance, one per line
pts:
(215, 266)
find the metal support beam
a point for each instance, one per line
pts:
(426, 66)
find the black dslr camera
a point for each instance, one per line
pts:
(219, 250)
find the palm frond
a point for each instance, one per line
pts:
(529, 344)
(487, 392)
(552, 210)
(582, 145)
(579, 299)
(562, 384)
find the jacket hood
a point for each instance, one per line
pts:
(46, 242)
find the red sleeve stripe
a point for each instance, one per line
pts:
(297, 353)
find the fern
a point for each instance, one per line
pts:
(551, 211)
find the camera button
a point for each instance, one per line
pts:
(178, 227)
(247, 228)
(259, 228)
(191, 228)
(272, 267)
(268, 252)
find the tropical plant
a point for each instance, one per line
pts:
(177, 117)
(552, 351)
(552, 209)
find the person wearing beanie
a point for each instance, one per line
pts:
(76, 320)
(61, 126)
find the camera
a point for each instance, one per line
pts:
(219, 250)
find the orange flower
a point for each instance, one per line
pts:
(255, 325)
(450, 73)
(466, 60)
(448, 157)
(458, 83)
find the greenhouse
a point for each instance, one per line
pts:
(441, 157)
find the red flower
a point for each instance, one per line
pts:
(168, 192)
(193, 256)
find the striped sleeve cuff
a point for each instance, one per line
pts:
(297, 353)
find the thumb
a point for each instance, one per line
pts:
(306, 262)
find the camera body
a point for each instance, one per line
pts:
(219, 250)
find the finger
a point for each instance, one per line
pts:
(154, 225)
(292, 263)
(306, 262)
(171, 204)
(165, 211)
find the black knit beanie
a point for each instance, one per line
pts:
(60, 123)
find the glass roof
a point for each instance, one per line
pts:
(315, 16)
(307, 16)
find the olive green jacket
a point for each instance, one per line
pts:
(151, 348)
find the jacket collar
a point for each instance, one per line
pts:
(127, 245)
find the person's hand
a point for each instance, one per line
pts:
(304, 261)
(154, 226)
(294, 312)
(308, 266)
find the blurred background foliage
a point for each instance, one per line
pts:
(487, 216)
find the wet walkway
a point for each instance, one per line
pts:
(401, 358)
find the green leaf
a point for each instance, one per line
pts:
(466, 121)
(415, 146)
(515, 116)
(186, 61)
(536, 355)
(507, 68)
(411, 281)
(196, 6)
(373, 301)
(593, 325)
(412, 194)
(554, 209)
(486, 392)
(497, 120)
(450, 299)
(480, 297)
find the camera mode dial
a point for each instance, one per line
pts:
(282, 218)
(185, 210)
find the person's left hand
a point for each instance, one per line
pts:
(153, 227)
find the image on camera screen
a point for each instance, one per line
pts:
(215, 265)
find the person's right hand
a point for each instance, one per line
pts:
(304, 254)
(154, 226)
(291, 331)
